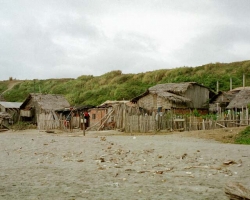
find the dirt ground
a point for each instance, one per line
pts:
(111, 165)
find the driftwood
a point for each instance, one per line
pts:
(2, 130)
(236, 191)
(49, 131)
(220, 125)
(204, 167)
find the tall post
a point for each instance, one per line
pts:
(217, 86)
(231, 83)
(243, 80)
(83, 125)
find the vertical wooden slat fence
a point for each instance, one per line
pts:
(156, 122)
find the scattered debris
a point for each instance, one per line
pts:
(102, 138)
(236, 191)
(204, 167)
(183, 156)
(50, 131)
(229, 162)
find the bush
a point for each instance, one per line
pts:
(22, 126)
(243, 137)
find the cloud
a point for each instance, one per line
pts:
(218, 44)
(59, 38)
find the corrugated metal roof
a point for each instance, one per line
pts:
(10, 104)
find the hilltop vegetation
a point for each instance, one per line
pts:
(94, 90)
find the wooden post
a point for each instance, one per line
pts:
(203, 124)
(83, 125)
(244, 81)
(231, 84)
(83, 129)
(217, 87)
(247, 119)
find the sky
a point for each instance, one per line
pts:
(45, 39)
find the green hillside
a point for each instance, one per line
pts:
(114, 85)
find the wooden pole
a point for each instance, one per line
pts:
(217, 87)
(83, 125)
(231, 84)
(244, 81)
(83, 129)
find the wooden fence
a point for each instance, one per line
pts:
(51, 121)
(133, 120)
(156, 122)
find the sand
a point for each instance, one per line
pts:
(107, 165)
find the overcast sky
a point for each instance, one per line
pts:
(42, 39)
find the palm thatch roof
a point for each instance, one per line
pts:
(109, 103)
(47, 101)
(176, 88)
(171, 91)
(242, 99)
(173, 97)
(224, 97)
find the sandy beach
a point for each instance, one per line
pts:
(109, 165)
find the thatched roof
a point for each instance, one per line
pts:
(224, 97)
(111, 103)
(173, 97)
(242, 99)
(47, 101)
(242, 88)
(176, 88)
(171, 91)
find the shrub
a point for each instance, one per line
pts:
(22, 126)
(243, 137)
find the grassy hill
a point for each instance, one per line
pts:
(114, 85)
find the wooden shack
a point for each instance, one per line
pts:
(178, 97)
(40, 109)
(9, 112)
(238, 108)
(108, 115)
(221, 100)
(76, 115)
(241, 100)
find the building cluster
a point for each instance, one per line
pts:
(51, 111)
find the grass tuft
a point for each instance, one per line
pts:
(243, 137)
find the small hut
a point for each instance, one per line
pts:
(241, 100)
(238, 107)
(40, 109)
(9, 112)
(76, 115)
(178, 97)
(221, 100)
(108, 115)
